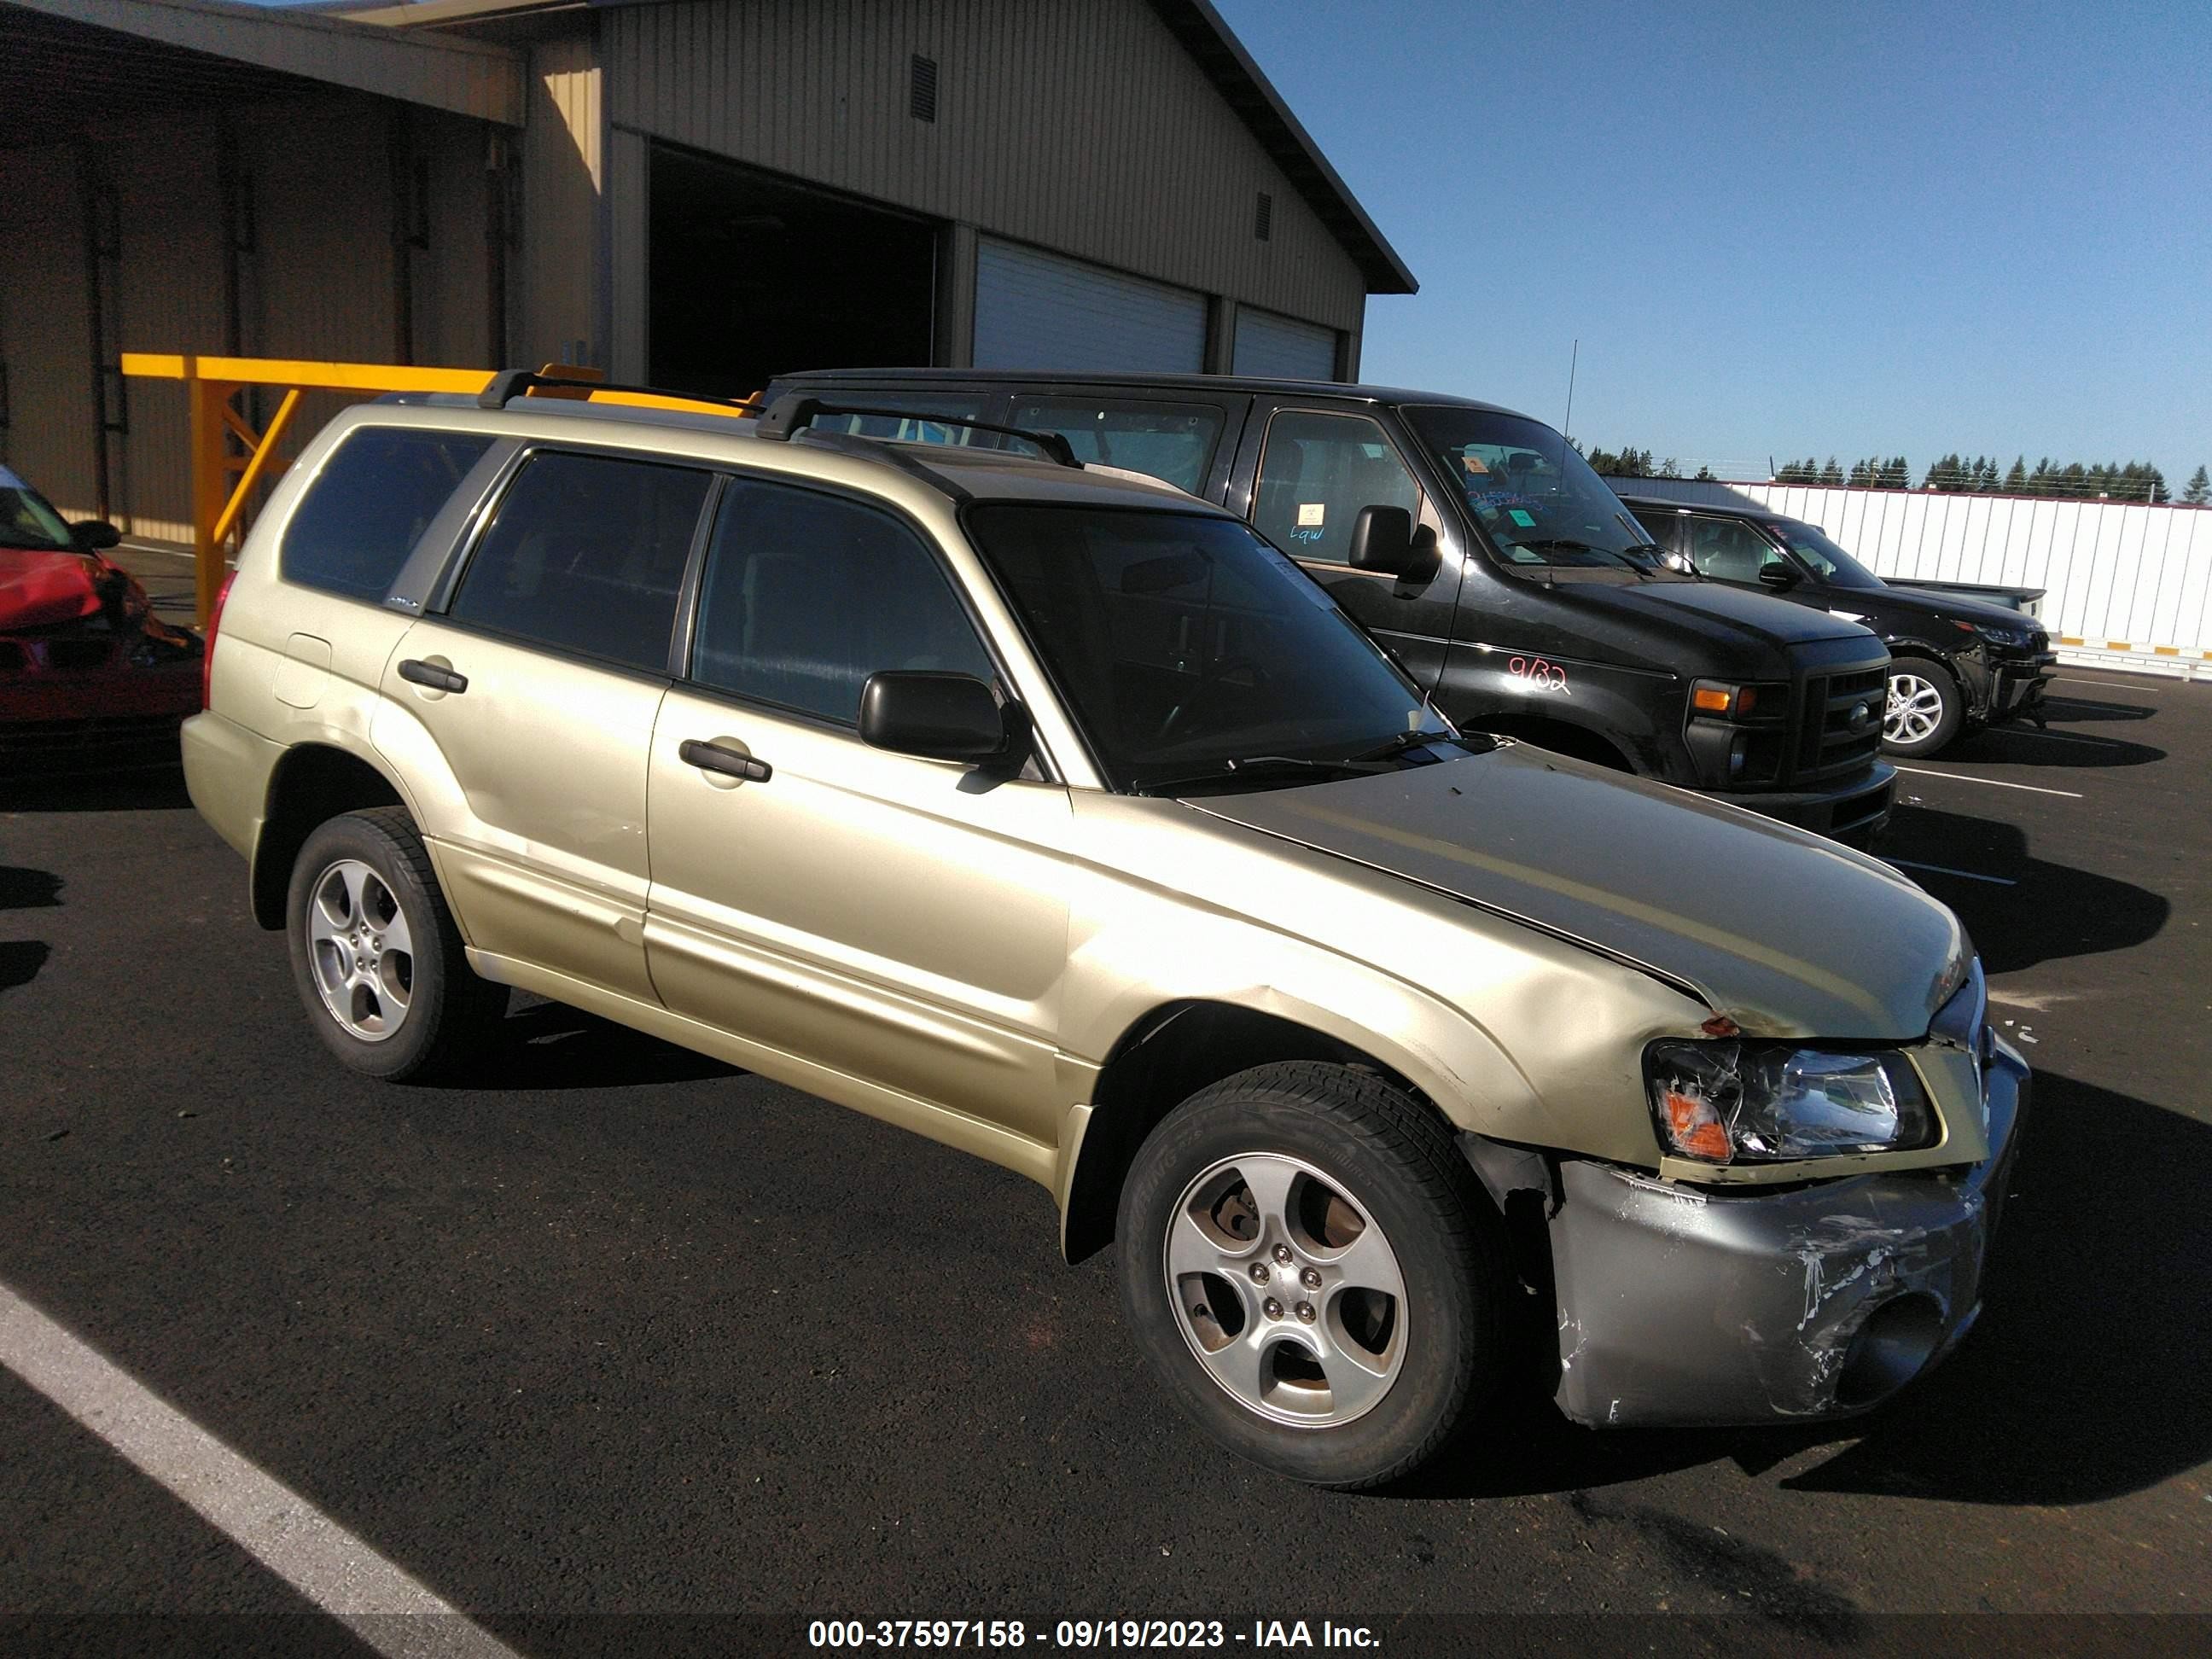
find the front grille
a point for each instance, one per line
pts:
(1828, 747)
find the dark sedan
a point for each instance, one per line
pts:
(1957, 663)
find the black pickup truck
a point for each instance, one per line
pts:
(1477, 544)
(1958, 663)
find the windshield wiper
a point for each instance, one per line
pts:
(1257, 767)
(1567, 545)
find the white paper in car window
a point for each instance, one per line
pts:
(1311, 513)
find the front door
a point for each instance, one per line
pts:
(524, 711)
(899, 920)
(1317, 468)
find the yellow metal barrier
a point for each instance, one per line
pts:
(226, 447)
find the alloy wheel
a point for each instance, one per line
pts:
(360, 949)
(1285, 1290)
(1914, 710)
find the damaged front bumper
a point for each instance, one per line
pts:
(1678, 1305)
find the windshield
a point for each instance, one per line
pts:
(1835, 567)
(1182, 642)
(25, 520)
(1529, 490)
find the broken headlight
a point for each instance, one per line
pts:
(1756, 1103)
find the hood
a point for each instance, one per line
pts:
(1786, 933)
(45, 589)
(1981, 612)
(1715, 612)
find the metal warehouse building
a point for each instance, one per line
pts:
(695, 193)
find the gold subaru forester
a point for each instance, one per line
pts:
(1051, 813)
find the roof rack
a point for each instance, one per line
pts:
(792, 412)
(583, 386)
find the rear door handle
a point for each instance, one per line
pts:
(430, 674)
(712, 757)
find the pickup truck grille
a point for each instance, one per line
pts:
(1827, 746)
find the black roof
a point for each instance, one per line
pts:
(1196, 383)
(1731, 509)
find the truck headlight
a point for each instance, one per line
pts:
(1733, 1102)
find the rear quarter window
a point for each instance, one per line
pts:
(375, 497)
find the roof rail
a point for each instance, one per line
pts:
(583, 385)
(792, 412)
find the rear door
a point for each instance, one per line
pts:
(525, 710)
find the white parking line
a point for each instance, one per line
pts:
(1946, 870)
(2114, 685)
(392, 1612)
(1993, 783)
(2054, 737)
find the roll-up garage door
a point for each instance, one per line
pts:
(1279, 348)
(1036, 310)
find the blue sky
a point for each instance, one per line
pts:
(1784, 229)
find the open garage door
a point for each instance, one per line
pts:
(1279, 348)
(752, 277)
(1037, 311)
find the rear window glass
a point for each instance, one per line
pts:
(921, 420)
(371, 503)
(586, 554)
(1171, 441)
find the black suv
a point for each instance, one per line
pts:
(1960, 664)
(1480, 548)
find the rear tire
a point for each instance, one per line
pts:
(1924, 711)
(377, 960)
(1377, 1325)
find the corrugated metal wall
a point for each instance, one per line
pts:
(564, 168)
(2124, 581)
(1080, 126)
(316, 279)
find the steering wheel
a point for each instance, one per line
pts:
(1209, 681)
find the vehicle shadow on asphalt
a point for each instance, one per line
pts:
(549, 1045)
(25, 888)
(2082, 1380)
(153, 788)
(2045, 912)
(2023, 745)
(2050, 911)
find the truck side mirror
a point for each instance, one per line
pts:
(1383, 538)
(1778, 577)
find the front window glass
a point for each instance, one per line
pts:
(1171, 441)
(586, 554)
(1730, 550)
(1531, 492)
(1836, 567)
(1317, 473)
(26, 519)
(805, 595)
(1182, 641)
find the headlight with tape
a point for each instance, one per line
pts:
(1734, 1102)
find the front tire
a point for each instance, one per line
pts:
(1310, 1268)
(375, 956)
(1924, 711)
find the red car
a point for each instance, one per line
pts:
(90, 680)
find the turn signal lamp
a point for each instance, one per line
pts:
(1712, 697)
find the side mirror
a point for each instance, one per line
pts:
(94, 536)
(936, 715)
(1778, 577)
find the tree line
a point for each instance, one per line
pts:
(2131, 481)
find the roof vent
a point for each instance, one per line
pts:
(922, 98)
(1263, 222)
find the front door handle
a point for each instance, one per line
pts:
(438, 679)
(712, 757)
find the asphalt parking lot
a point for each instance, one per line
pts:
(613, 1329)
